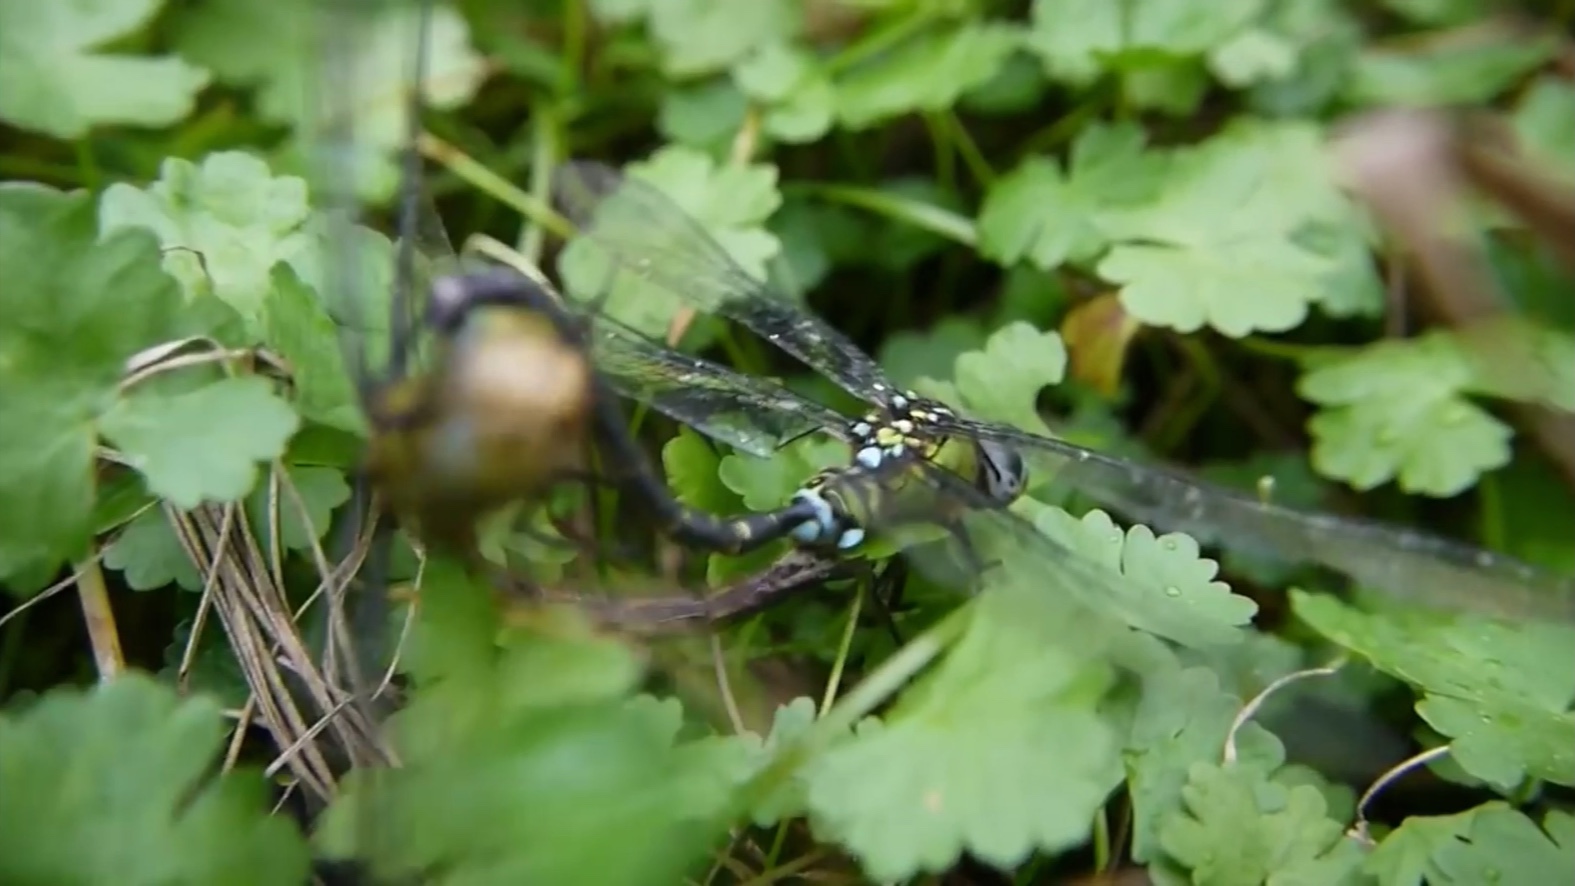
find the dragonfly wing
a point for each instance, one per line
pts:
(640, 229)
(1414, 565)
(751, 414)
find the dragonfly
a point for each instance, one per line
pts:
(630, 225)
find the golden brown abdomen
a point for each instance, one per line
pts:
(501, 420)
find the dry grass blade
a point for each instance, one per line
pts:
(289, 690)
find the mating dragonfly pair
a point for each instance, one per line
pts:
(521, 377)
(912, 459)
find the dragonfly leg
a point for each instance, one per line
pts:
(886, 593)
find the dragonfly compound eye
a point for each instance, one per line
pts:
(1002, 472)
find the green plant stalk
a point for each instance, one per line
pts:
(868, 695)
(494, 185)
(926, 216)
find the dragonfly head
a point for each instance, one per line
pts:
(1002, 473)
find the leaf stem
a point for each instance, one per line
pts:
(926, 216)
(865, 697)
(881, 40)
(100, 620)
(842, 651)
(499, 188)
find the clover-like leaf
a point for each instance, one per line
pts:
(1395, 410)
(296, 325)
(1244, 234)
(1487, 683)
(261, 45)
(1183, 719)
(77, 308)
(520, 757)
(1077, 41)
(928, 73)
(57, 82)
(1243, 827)
(1002, 381)
(224, 224)
(1491, 843)
(705, 36)
(149, 556)
(1170, 590)
(794, 88)
(998, 753)
(202, 445)
(1040, 214)
(317, 490)
(136, 767)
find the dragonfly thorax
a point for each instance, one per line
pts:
(908, 425)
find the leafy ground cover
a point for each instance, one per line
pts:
(1118, 221)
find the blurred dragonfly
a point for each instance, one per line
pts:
(967, 464)
(486, 398)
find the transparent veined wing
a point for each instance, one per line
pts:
(630, 225)
(969, 542)
(750, 414)
(1412, 565)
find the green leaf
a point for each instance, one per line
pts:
(1327, 36)
(691, 467)
(1036, 212)
(1002, 382)
(790, 723)
(202, 445)
(706, 36)
(231, 219)
(150, 557)
(1447, 72)
(766, 483)
(1251, 56)
(793, 87)
(264, 46)
(1183, 719)
(521, 757)
(119, 785)
(1489, 844)
(1077, 41)
(1170, 590)
(1395, 410)
(928, 73)
(814, 237)
(318, 490)
(731, 202)
(56, 82)
(1441, 12)
(1226, 240)
(1254, 284)
(908, 356)
(998, 752)
(705, 115)
(1544, 125)
(1487, 683)
(1242, 827)
(76, 308)
(296, 325)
